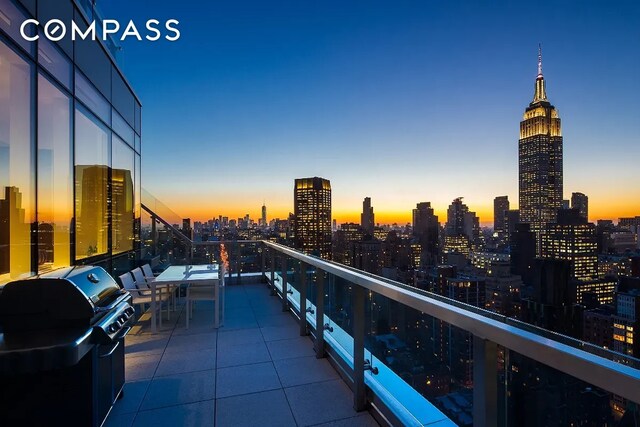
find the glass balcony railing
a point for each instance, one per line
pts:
(420, 358)
(427, 358)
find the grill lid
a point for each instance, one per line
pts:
(71, 295)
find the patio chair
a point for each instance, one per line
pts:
(144, 282)
(206, 293)
(142, 297)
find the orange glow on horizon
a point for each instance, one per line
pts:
(612, 211)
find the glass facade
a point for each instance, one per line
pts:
(69, 154)
(92, 185)
(17, 161)
(55, 177)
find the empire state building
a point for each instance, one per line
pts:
(540, 160)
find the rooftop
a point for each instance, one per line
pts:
(255, 370)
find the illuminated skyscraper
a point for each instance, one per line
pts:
(462, 227)
(367, 217)
(540, 160)
(264, 215)
(425, 229)
(500, 207)
(312, 212)
(573, 239)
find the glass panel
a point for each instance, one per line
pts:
(138, 145)
(11, 18)
(55, 180)
(545, 396)
(91, 181)
(91, 98)
(138, 114)
(52, 58)
(137, 186)
(120, 126)
(136, 201)
(122, 201)
(17, 197)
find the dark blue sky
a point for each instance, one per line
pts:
(401, 101)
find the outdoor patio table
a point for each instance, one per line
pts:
(208, 274)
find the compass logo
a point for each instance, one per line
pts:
(55, 30)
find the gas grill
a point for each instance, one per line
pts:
(62, 347)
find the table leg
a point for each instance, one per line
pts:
(154, 329)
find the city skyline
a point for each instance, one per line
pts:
(419, 111)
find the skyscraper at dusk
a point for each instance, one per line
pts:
(500, 207)
(426, 229)
(312, 211)
(580, 202)
(367, 217)
(540, 160)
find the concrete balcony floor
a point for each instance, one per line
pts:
(254, 371)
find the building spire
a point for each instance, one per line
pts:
(540, 92)
(539, 60)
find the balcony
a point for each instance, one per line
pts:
(256, 370)
(367, 351)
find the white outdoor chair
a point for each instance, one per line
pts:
(141, 297)
(206, 293)
(148, 272)
(144, 282)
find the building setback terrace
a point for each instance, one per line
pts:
(256, 370)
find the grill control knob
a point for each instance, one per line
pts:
(123, 318)
(112, 328)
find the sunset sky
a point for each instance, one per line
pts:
(400, 101)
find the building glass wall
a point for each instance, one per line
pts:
(17, 164)
(92, 185)
(55, 176)
(70, 146)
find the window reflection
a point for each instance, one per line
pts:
(51, 58)
(89, 95)
(122, 201)
(91, 183)
(55, 191)
(11, 17)
(16, 165)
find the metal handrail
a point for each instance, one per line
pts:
(608, 375)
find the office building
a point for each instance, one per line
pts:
(627, 322)
(540, 160)
(426, 230)
(461, 225)
(367, 217)
(500, 207)
(343, 243)
(575, 240)
(70, 144)
(580, 202)
(511, 219)
(312, 213)
(263, 219)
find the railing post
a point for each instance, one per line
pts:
(319, 343)
(238, 255)
(263, 262)
(359, 393)
(303, 299)
(273, 271)
(485, 382)
(283, 277)
(154, 235)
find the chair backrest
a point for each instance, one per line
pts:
(146, 269)
(140, 281)
(127, 281)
